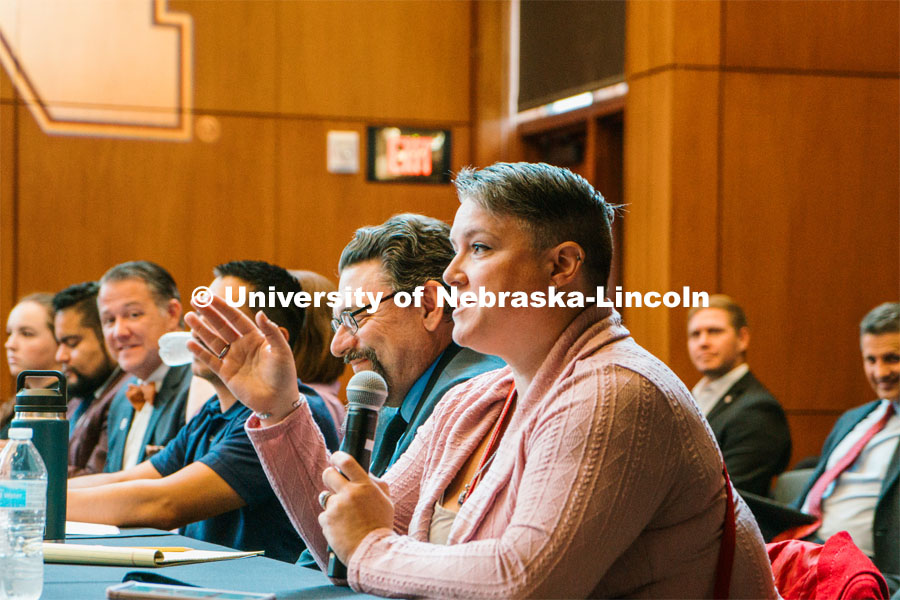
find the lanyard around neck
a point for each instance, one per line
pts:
(491, 449)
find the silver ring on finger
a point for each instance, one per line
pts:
(323, 498)
(224, 351)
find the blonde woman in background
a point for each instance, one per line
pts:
(317, 367)
(30, 345)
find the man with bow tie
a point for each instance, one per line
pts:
(748, 422)
(208, 480)
(139, 302)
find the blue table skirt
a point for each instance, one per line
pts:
(254, 574)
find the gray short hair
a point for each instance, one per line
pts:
(162, 285)
(412, 249)
(553, 204)
(884, 318)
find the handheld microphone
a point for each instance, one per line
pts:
(366, 393)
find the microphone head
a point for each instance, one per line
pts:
(367, 389)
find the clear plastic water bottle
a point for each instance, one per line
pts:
(23, 501)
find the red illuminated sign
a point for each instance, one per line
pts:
(408, 155)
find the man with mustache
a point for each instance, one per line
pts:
(93, 378)
(411, 347)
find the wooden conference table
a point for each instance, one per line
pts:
(253, 574)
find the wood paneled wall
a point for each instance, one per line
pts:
(761, 160)
(273, 77)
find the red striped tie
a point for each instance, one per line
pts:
(814, 498)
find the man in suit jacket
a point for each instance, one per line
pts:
(92, 375)
(139, 302)
(411, 347)
(208, 480)
(746, 419)
(398, 426)
(865, 498)
(166, 417)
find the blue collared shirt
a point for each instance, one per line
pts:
(393, 423)
(397, 426)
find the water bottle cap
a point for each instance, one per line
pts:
(20, 433)
(40, 401)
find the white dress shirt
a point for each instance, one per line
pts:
(135, 439)
(708, 391)
(848, 504)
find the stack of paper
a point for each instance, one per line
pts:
(79, 528)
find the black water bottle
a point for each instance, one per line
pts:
(43, 410)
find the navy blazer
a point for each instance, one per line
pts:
(886, 526)
(165, 420)
(753, 433)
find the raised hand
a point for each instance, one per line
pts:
(253, 359)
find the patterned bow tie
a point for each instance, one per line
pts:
(138, 395)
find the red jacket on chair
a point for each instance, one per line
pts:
(837, 570)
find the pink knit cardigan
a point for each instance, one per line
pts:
(607, 483)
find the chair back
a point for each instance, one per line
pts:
(790, 484)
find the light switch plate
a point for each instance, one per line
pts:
(343, 152)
